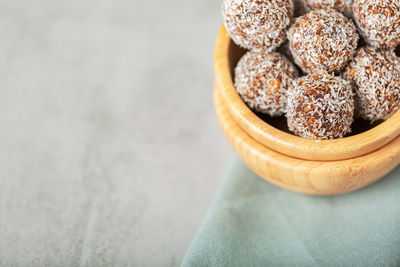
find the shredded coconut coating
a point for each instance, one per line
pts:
(344, 6)
(348, 8)
(320, 106)
(323, 39)
(257, 23)
(262, 79)
(379, 21)
(375, 74)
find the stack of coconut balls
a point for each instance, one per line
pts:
(344, 75)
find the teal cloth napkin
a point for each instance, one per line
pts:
(254, 223)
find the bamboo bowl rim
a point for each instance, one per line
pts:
(306, 176)
(286, 143)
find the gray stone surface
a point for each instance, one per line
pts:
(110, 149)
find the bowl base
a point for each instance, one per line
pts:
(307, 176)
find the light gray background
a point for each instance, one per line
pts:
(110, 149)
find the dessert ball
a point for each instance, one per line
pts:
(379, 21)
(344, 6)
(375, 74)
(323, 40)
(257, 23)
(320, 106)
(262, 79)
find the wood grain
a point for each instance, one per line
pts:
(226, 56)
(306, 176)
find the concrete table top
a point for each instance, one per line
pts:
(110, 149)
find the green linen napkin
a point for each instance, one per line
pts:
(254, 223)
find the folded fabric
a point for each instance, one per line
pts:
(254, 223)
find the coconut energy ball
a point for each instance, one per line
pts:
(262, 79)
(320, 106)
(379, 21)
(257, 23)
(375, 74)
(344, 6)
(323, 40)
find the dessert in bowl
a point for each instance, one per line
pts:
(304, 165)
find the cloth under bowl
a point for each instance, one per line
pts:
(254, 223)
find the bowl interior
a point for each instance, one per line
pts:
(235, 53)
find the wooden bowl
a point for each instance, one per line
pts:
(275, 135)
(321, 167)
